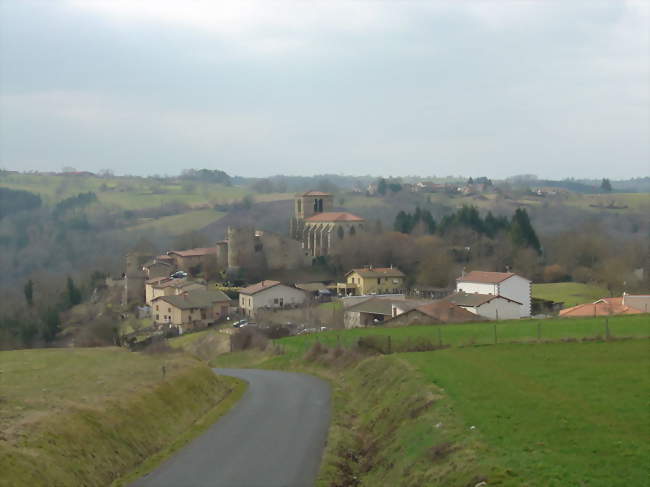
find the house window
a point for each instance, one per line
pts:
(275, 301)
(378, 280)
(169, 310)
(156, 307)
(157, 317)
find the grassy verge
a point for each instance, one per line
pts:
(572, 413)
(569, 293)
(88, 416)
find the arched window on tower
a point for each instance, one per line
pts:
(315, 206)
(320, 206)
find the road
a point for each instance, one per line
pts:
(274, 436)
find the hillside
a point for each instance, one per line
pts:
(90, 416)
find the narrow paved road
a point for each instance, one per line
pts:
(273, 437)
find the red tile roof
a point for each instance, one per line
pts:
(486, 277)
(260, 286)
(194, 252)
(334, 216)
(602, 307)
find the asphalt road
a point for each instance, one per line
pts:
(274, 436)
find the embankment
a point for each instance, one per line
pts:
(95, 445)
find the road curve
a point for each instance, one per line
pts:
(274, 436)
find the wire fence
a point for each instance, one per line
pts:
(409, 339)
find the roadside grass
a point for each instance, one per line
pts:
(88, 416)
(569, 293)
(555, 414)
(470, 334)
(204, 344)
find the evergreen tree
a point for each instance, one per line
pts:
(522, 232)
(73, 294)
(606, 185)
(29, 293)
(381, 186)
(52, 324)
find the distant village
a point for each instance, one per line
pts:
(176, 302)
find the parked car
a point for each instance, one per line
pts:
(240, 323)
(179, 275)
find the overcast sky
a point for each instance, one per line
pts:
(557, 89)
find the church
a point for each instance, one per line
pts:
(319, 228)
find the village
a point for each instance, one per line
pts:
(176, 298)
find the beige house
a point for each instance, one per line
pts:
(374, 280)
(191, 310)
(165, 286)
(269, 295)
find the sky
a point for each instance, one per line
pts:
(429, 88)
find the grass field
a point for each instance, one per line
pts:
(177, 224)
(556, 414)
(569, 293)
(480, 333)
(89, 416)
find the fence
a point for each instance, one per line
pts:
(421, 338)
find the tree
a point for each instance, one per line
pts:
(382, 186)
(29, 293)
(52, 324)
(606, 185)
(522, 232)
(73, 294)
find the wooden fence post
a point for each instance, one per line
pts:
(389, 344)
(440, 336)
(495, 333)
(607, 328)
(539, 331)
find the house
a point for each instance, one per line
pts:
(191, 310)
(269, 295)
(490, 306)
(624, 305)
(375, 280)
(377, 310)
(433, 313)
(505, 284)
(166, 286)
(192, 258)
(159, 268)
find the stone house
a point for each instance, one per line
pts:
(165, 286)
(505, 284)
(190, 310)
(488, 306)
(187, 259)
(434, 313)
(375, 280)
(269, 295)
(374, 311)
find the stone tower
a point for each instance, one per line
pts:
(306, 205)
(241, 247)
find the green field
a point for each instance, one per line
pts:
(555, 414)
(479, 333)
(177, 224)
(569, 293)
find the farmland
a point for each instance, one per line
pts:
(568, 408)
(569, 293)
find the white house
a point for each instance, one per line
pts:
(269, 294)
(505, 284)
(488, 306)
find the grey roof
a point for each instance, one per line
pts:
(384, 306)
(195, 299)
(475, 299)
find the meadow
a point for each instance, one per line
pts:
(556, 414)
(569, 293)
(469, 334)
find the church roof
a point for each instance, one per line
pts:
(334, 216)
